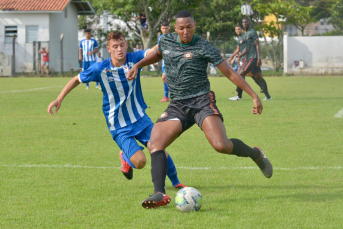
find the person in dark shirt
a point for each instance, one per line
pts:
(186, 57)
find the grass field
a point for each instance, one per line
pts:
(63, 171)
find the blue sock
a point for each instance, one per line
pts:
(172, 173)
(166, 90)
(87, 84)
(128, 160)
(97, 84)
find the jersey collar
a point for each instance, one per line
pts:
(192, 42)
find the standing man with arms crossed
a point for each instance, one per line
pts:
(88, 48)
(253, 59)
(164, 29)
(186, 58)
(45, 54)
(123, 104)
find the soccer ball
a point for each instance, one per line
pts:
(188, 199)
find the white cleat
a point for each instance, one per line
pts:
(235, 98)
(265, 99)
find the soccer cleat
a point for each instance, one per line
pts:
(98, 87)
(87, 88)
(165, 99)
(267, 98)
(235, 98)
(126, 169)
(180, 186)
(156, 200)
(264, 164)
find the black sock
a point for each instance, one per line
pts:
(242, 150)
(256, 81)
(239, 92)
(159, 168)
(264, 87)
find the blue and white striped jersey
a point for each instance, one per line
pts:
(88, 46)
(123, 102)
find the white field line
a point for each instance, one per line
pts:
(33, 89)
(339, 114)
(179, 167)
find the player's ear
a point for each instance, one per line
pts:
(108, 48)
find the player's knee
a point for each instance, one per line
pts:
(140, 163)
(153, 145)
(222, 146)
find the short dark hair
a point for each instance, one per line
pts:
(183, 14)
(115, 35)
(246, 18)
(165, 23)
(87, 30)
(238, 26)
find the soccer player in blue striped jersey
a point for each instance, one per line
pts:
(88, 48)
(164, 29)
(123, 104)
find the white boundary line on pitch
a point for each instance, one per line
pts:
(33, 89)
(339, 114)
(180, 167)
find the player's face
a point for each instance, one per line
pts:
(117, 49)
(185, 27)
(238, 31)
(87, 35)
(246, 24)
(165, 29)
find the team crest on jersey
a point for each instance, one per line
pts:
(163, 115)
(165, 52)
(188, 55)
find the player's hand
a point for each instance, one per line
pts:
(56, 104)
(259, 62)
(131, 75)
(80, 57)
(90, 53)
(258, 107)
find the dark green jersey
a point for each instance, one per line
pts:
(250, 38)
(241, 44)
(186, 65)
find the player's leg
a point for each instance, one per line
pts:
(210, 120)
(262, 82)
(165, 86)
(47, 68)
(144, 138)
(85, 66)
(42, 69)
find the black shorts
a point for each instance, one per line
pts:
(190, 111)
(250, 65)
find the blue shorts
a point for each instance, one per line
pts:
(163, 70)
(126, 137)
(86, 64)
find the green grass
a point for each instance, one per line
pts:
(42, 187)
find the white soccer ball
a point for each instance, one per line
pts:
(188, 199)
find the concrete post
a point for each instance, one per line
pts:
(13, 56)
(34, 57)
(285, 53)
(39, 56)
(61, 53)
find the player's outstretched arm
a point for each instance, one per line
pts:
(74, 82)
(240, 82)
(234, 54)
(152, 57)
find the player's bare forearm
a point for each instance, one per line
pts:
(153, 49)
(152, 57)
(243, 53)
(236, 79)
(233, 55)
(74, 82)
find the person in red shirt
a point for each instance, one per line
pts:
(45, 55)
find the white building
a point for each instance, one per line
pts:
(41, 21)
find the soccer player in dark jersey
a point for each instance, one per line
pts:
(240, 48)
(253, 58)
(186, 58)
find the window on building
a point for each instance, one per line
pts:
(31, 33)
(9, 32)
(316, 28)
(321, 22)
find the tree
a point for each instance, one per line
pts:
(156, 12)
(283, 11)
(337, 15)
(302, 18)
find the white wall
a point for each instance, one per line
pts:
(321, 54)
(24, 51)
(69, 27)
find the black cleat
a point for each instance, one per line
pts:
(156, 200)
(264, 164)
